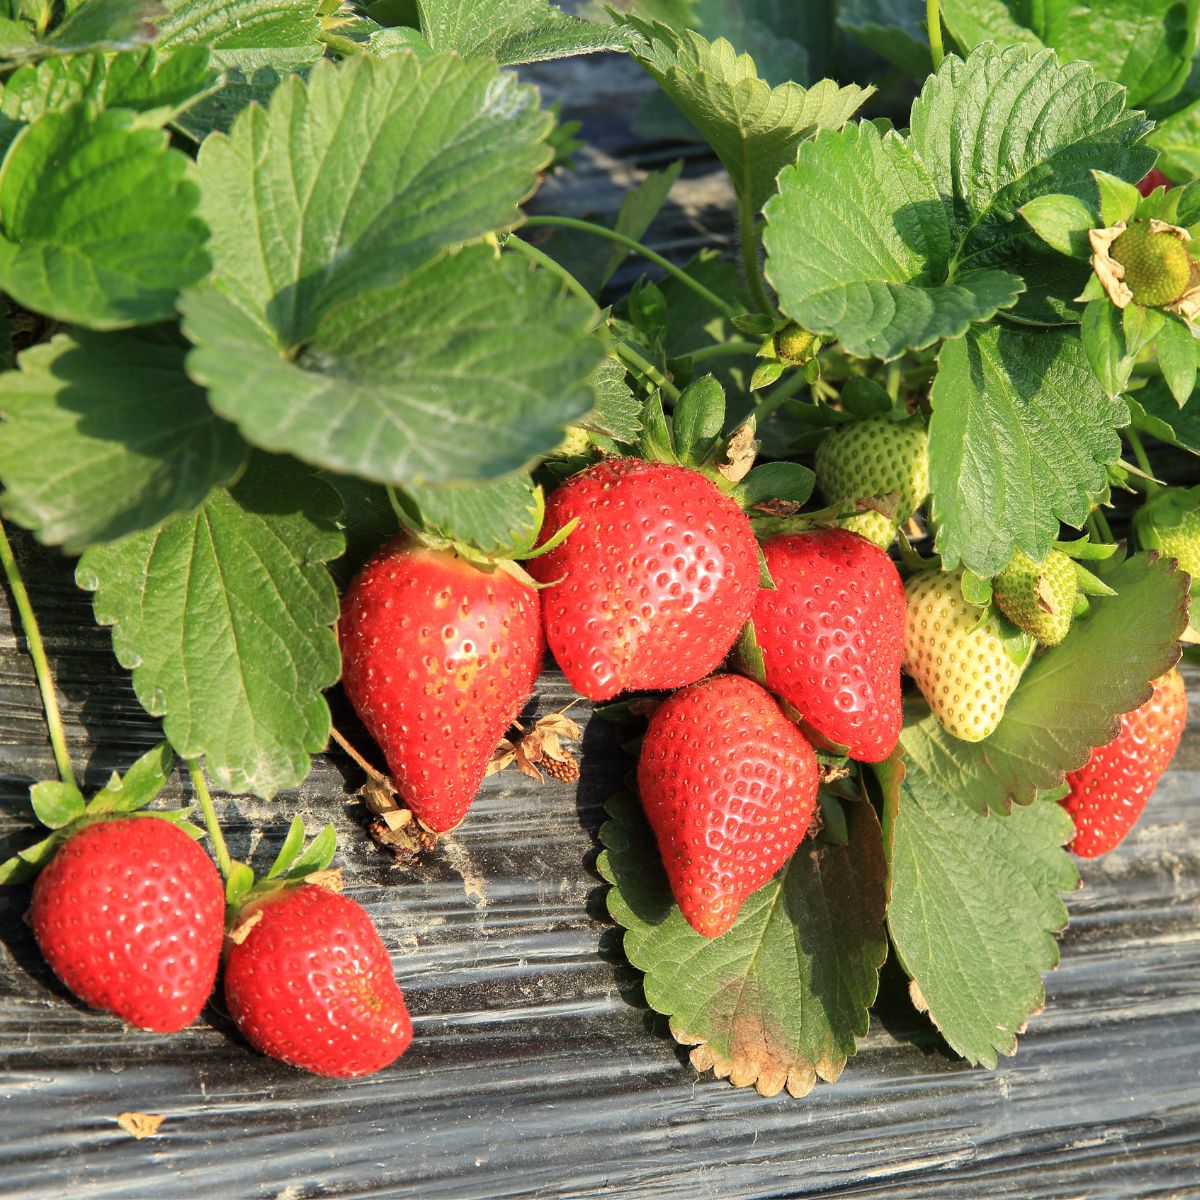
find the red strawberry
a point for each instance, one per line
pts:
(728, 784)
(438, 658)
(832, 637)
(1109, 792)
(310, 983)
(1155, 179)
(652, 587)
(130, 915)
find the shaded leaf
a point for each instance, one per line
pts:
(238, 24)
(497, 518)
(1156, 412)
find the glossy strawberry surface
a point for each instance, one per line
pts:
(1109, 793)
(654, 584)
(832, 637)
(438, 658)
(130, 915)
(728, 784)
(311, 984)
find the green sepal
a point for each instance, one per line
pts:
(1141, 326)
(764, 572)
(1089, 584)
(25, 864)
(976, 589)
(1176, 348)
(1018, 644)
(656, 443)
(238, 883)
(1084, 548)
(863, 397)
(834, 827)
(755, 324)
(317, 857)
(789, 482)
(1062, 222)
(1118, 199)
(56, 804)
(289, 851)
(697, 420)
(1092, 290)
(748, 656)
(141, 784)
(765, 374)
(1103, 338)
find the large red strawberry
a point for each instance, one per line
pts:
(130, 915)
(1110, 791)
(728, 784)
(438, 658)
(308, 981)
(832, 637)
(653, 585)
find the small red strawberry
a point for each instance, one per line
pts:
(832, 637)
(308, 981)
(130, 915)
(1155, 179)
(652, 587)
(438, 658)
(1110, 791)
(728, 784)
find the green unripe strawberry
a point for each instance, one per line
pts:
(1170, 524)
(1038, 597)
(794, 344)
(1157, 266)
(875, 460)
(962, 665)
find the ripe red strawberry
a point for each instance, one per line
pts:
(438, 658)
(832, 637)
(1110, 791)
(1155, 179)
(653, 586)
(310, 983)
(728, 784)
(130, 915)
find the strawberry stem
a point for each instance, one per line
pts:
(748, 236)
(200, 785)
(37, 652)
(724, 348)
(1099, 528)
(1143, 459)
(779, 396)
(933, 20)
(651, 256)
(647, 368)
(544, 260)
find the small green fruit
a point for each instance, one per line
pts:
(1170, 524)
(1038, 597)
(793, 344)
(1157, 266)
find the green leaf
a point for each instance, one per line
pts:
(513, 31)
(367, 521)
(470, 368)
(1141, 326)
(893, 29)
(884, 290)
(1176, 349)
(104, 25)
(1103, 335)
(1156, 412)
(1062, 222)
(223, 616)
(1118, 199)
(157, 90)
(1144, 45)
(55, 803)
(80, 461)
(753, 127)
(98, 226)
(781, 998)
(318, 855)
(1177, 138)
(1018, 440)
(239, 24)
(1069, 697)
(498, 518)
(618, 412)
(786, 481)
(1058, 122)
(698, 418)
(973, 904)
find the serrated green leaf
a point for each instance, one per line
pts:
(470, 368)
(1018, 440)
(239, 24)
(1059, 124)
(973, 904)
(157, 91)
(79, 459)
(289, 851)
(223, 615)
(498, 518)
(781, 998)
(98, 220)
(893, 29)
(887, 289)
(1062, 222)
(317, 856)
(55, 803)
(1102, 333)
(1156, 412)
(618, 412)
(1069, 697)
(513, 31)
(1176, 349)
(1144, 45)
(753, 127)
(104, 25)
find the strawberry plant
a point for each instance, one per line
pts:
(316, 391)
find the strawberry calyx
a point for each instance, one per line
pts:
(62, 808)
